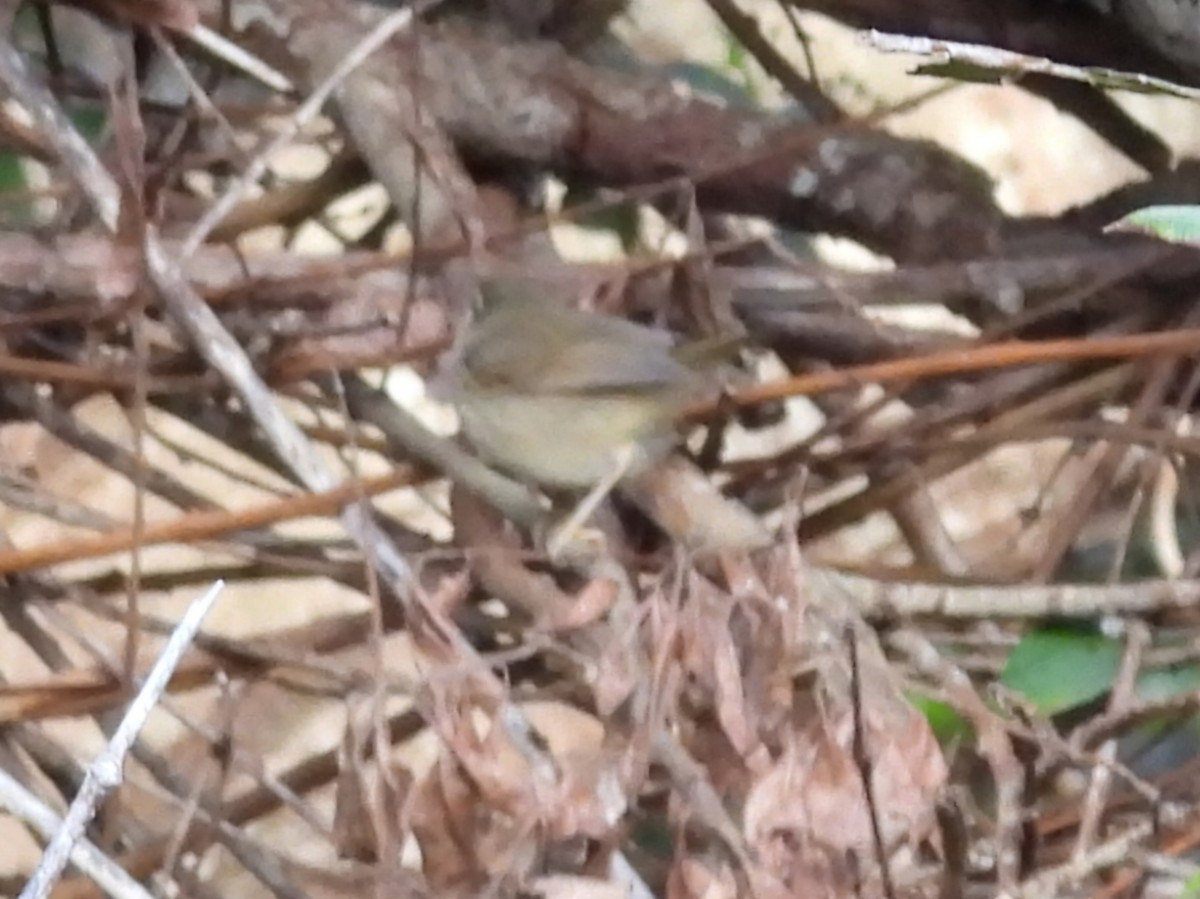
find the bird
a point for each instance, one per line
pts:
(567, 400)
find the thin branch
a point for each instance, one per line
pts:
(380, 35)
(105, 773)
(85, 854)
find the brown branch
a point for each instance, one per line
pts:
(979, 358)
(526, 103)
(202, 525)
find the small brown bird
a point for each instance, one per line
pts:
(565, 399)
(552, 394)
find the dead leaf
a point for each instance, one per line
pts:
(813, 801)
(591, 798)
(618, 667)
(354, 835)
(590, 604)
(466, 844)
(695, 878)
(565, 886)
(713, 659)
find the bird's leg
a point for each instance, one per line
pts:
(571, 529)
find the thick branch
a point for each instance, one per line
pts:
(531, 103)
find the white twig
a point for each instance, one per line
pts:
(85, 855)
(105, 772)
(307, 111)
(222, 48)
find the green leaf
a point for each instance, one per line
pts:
(1163, 683)
(1060, 668)
(653, 836)
(1177, 224)
(736, 58)
(16, 211)
(1191, 888)
(947, 725)
(12, 173)
(89, 119)
(621, 220)
(738, 63)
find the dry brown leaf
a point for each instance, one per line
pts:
(617, 670)
(493, 792)
(499, 773)
(693, 878)
(809, 871)
(808, 811)
(464, 844)
(713, 654)
(368, 807)
(590, 604)
(591, 798)
(814, 796)
(777, 651)
(732, 710)
(565, 886)
(443, 823)
(728, 771)
(354, 835)
(815, 790)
